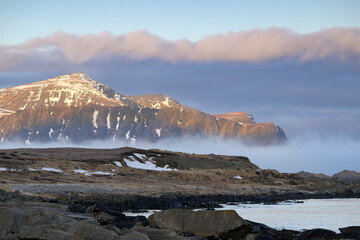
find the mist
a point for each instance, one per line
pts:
(306, 153)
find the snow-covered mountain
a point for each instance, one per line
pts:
(76, 108)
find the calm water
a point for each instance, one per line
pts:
(314, 213)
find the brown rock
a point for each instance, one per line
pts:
(237, 117)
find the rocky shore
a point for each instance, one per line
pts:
(125, 202)
(50, 221)
(83, 194)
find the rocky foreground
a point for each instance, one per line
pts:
(69, 193)
(50, 221)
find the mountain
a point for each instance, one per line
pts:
(76, 108)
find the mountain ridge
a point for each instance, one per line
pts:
(78, 108)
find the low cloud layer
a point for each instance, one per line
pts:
(311, 153)
(305, 83)
(255, 45)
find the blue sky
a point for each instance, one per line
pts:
(293, 68)
(295, 63)
(172, 20)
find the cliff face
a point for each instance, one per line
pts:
(76, 108)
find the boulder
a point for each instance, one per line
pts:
(104, 218)
(352, 229)
(14, 215)
(225, 223)
(129, 221)
(41, 233)
(156, 234)
(352, 232)
(254, 236)
(6, 220)
(318, 233)
(135, 236)
(9, 236)
(88, 231)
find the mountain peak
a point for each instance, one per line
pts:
(237, 117)
(70, 90)
(77, 108)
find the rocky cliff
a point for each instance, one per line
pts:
(76, 108)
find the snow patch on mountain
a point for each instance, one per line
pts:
(108, 121)
(158, 131)
(95, 115)
(51, 132)
(117, 123)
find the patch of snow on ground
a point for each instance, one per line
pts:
(98, 173)
(145, 214)
(27, 142)
(117, 163)
(128, 135)
(3, 169)
(51, 169)
(158, 131)
(96, 113)
(148, 165)
(33, 169)
(80, 171)
(135, 119)
(87, 173)
(238, 177)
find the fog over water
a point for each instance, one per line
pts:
(311, 153)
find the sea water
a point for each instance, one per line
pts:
(330, 214)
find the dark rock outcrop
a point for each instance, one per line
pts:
(224, 224)
(38, 220)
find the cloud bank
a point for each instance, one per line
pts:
(311, 153)
(257, 45)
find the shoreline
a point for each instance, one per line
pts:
(55, 221)
(129, 202)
